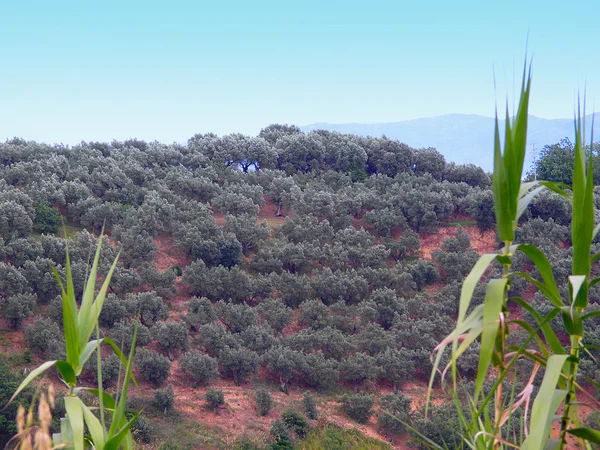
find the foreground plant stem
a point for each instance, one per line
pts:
(499, 403)
(571, 397)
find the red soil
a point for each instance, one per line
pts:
(481, 242)
(167, 254)
(267, 212)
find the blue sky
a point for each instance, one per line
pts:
(166, 70)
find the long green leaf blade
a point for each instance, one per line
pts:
(492, 306)
(69, 307)
(93, 424)
(75, 414)
(589, 434)
(545, 404)
(32, 376)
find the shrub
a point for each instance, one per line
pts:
(113, 311)
(9, 382)
(172, 336)
(442, 427)
(47, 219)
(394, 412)
(152, 308)
(358, 407)
(238, 364)
(281, 433)
(359, 367)
(310, 406)
(423, 272)
(142, 429)
(200, 311)
(314, 314)
(122, 334)
(55, 310)
(44, 338)
(264, 402)
(201, 368)
(177, 270)
(258, 338)
(110, 369)
(17, 308)
(164, 399)
(215, 399)
(214, 338)
(295, 422)
(236, 318)
(246, 443)
(153, 366)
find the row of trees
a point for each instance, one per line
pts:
(336, 295)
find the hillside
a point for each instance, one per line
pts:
(324, 263)
(461, 138)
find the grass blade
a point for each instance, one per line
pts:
(75, 415)
(32, 376)
(546, 404)
(492, 306)
(97, 432)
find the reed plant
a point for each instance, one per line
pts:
(550, 418)
(105, 427)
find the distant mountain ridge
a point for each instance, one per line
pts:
(462, 138)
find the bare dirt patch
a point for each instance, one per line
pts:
(481, 242)
(168, 254)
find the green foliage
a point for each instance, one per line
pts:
(142, 429)
(489, 323)
(116, 310)
(358, 407)
(556, 162)
(396, 366)
(200, 312)
(151, 307)
(423, 272)
(319, 372)
(295, 422)
(238, 364)
(467, 173)
(9, 382)
(236, 318)
(153, 366)
(258, 338)
(314, 314)
(17, 308)
(172, 336)
(122, 333)
(394, 413)
(214, 399)
(353, 206)
(164, 399)
(456, 257)
(79, 324)
(44, 338)
(264, 402)
(442, 427)
(275, 313)
(177, 270)
(480, 206)
(201, 368)
(334, 437)
(47, 219)
(215, 339)
(111, 367)
(310, 405)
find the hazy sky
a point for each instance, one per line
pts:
(166, 70)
